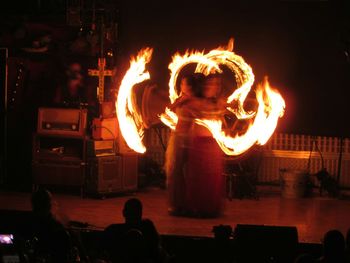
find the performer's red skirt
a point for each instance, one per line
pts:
(204, 178)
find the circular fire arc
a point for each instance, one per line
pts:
(263, 121)
(130, 120)
(270, 104)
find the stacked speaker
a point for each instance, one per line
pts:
(59, 147)
(112, 165)
(67, 151)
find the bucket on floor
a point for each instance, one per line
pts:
(293, 183)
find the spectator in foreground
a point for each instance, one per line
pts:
(333, 247)
(52, 240)
(135, 240)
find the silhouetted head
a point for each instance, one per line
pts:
(132, 211)
(41, 201)
(334, 244)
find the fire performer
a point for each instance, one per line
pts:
(204, 181)
(177, 150)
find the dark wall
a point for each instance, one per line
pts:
(299, 44)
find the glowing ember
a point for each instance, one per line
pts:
(270, 103)
(130, 121)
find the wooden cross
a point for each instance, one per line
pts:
(101, 73)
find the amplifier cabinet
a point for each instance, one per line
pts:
(104, 175)
(105, 129)
(101, 148)
(62, 122)
(58, 160)
(58, 172)
(130, 171)
(111, 174)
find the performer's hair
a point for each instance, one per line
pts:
(195, 81)
(197, 84)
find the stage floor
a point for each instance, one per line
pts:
(312, 216)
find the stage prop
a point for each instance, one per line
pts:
(111, 174)
(65, 153)
(96, 148)
(62, 122)
(71, 147)
(114, 173)
(105, 128)
(293, 183)
(240, 177)
(101, 72)
(19, 104)
(59, 147)
(264, 164)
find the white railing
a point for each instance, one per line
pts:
(283, 151)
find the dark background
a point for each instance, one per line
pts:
(300, 45)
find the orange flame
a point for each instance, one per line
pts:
(271, 107)
(263, 121)
(270, 103)
(130, 121)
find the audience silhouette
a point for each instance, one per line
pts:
(135, 240)
(347, 243)
(333, 247)
(50, 239)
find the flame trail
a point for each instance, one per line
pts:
(263, 121)
(130, 121)
(271, 107)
